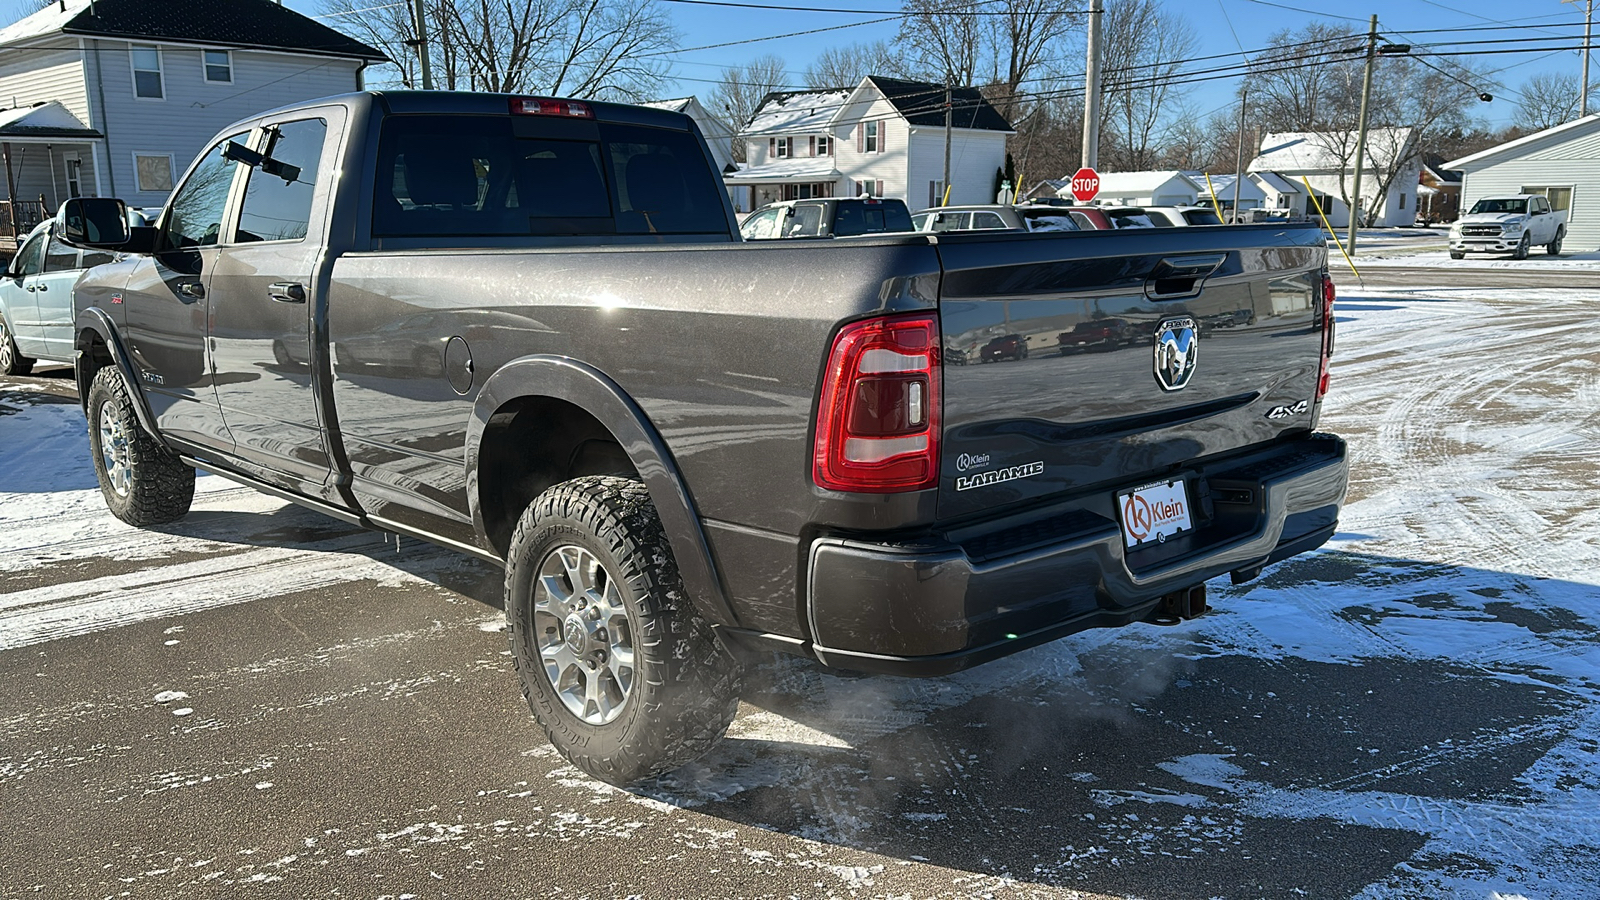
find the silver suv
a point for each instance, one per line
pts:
(995, 217)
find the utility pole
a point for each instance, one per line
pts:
(1238, 160)
(944, 195)
(1588, 25)
(1361, 134)
(422, 44)
(1091, 98)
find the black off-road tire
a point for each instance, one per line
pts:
(685, 683)
(1554, 247)
(158, 487)
(11, 361)
(1456, 255)
(1522, 247)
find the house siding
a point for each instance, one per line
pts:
(975, 157)
(194, 109)
(31, 76)
(887, 165)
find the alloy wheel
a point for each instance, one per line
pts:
(583, 633)
(115, 454)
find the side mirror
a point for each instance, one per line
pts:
(98, 222)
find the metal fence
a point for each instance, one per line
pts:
(28, 214)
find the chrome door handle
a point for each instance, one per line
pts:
(192, 289)
(42, 287)
(287, 292)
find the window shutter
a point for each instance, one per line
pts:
(772, 148)
(861, 137)
(883, 135)
(812, 143)
(877, 189)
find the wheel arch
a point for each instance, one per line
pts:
(98, 345)
(584, 406)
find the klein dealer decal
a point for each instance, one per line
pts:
(999, 476)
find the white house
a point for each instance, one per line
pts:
(115, 97)
(1563, 163)
(884, 137)
(1326, 158)
(1143, 189)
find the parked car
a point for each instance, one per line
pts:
(1180, 216)
(1103, 334)
(1091, 218)
(1513, 223)
(1006, 346)
(1129, 217)
(692, 441)
(36, 300)
(826, 217)
(994, 217)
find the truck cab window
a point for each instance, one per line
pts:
(195, 217)
(31, 260)
(277, 200)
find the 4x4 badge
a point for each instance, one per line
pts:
(1177, 352)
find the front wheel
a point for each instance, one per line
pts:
(620, 671)
(1522, 248)
(12, 362)
(1456, 255)
(143, 482)
(1554, 246)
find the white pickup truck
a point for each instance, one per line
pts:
(1511, 224)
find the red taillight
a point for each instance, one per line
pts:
(544, 106)
(1323, 377)
(878, 423)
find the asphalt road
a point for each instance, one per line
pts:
(257, 701)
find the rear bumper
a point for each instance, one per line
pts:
(936, 605)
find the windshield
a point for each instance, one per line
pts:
(1504, 205)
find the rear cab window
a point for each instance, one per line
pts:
(855, 217)
(499, 176)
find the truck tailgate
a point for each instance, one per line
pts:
(1099, 360)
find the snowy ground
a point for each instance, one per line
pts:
(258, 698)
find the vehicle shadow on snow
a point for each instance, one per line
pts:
(1217, 759)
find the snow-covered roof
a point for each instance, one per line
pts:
(1309, 151)
(1587, 122)
(818, 168)
(789, 112)
(1140, 184)
(1276, 182)
(1223, 184)
(48, 20)
(45, 120)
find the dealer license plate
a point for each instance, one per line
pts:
(1155, 512)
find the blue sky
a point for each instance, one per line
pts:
(1222, 26)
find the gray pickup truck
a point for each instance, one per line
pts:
(527, 329)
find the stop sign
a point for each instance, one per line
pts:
(1085, 185)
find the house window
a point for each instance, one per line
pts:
(872, 142)
(935, 193)
(153, 172)
(872, 188)
(824, 146)
(783, 147)
(1402, 201)
(1560, 197)
(74, 176)
(219, 66)
(147, 74)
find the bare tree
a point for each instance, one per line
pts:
(1306, 80)
(1145, 45)
(605, 49)
(981, 43)
(1548, 99)
(740, 91)
(845, 66)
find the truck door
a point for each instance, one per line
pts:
(166, 306)
(52, 291)
(264, 303)
(21, 310)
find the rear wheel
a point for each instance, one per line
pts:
(143, 482)
(11, 361)
(1554, 246)
(622, 674)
